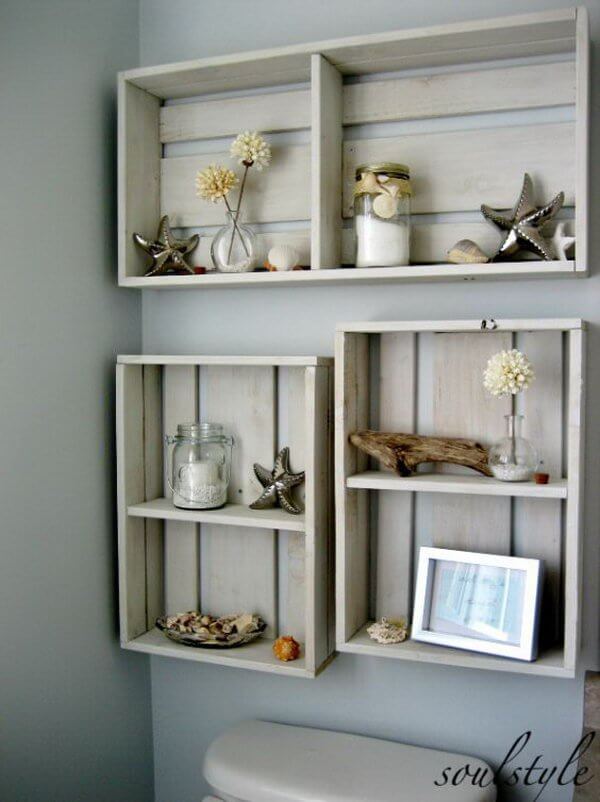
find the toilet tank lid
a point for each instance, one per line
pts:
(257, 761)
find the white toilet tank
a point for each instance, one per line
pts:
(261, 762)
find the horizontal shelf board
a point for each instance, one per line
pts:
(518, 324)
(446, 483)
(252, 361)
(355, 275)
(256, 656)
(231, 515)
(550, 663)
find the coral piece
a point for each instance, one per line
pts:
(386, 631)
(286, 648)
(278, 485)
(563, 242)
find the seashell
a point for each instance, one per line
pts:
(286, 648)
(467, 252)
(283, 257)
(385, 206)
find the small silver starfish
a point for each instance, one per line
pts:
(522, 225)
(167, 252)
(278, 485)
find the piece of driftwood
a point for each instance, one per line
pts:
(404, 452)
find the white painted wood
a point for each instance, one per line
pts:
(280, 193)
(462, 408)
(549, 663)
(367, 275)
(574, 513)
(394, 543)
(523, 324)
(582, 139)
(180, 405)
(231, 514)
(472, 485)
(241, 562)
(538, 527)
(153, 488)
(209, 119)
(497, 159)
(139, 167)
(352, 509)
(204, 359)
(457, 93)
(462, 42)
(130, 485)
(257, 656)
(292, 394)
(326, 164)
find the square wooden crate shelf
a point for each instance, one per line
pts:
(329, 106)
(426, 377)
(232, 559)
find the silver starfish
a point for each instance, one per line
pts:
(166, 251)
(278, 485)
(522, 225)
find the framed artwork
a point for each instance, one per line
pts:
(482, 602)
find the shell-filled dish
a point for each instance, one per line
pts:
(197, 629)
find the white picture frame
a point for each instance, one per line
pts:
(480, 602)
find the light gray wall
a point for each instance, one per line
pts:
(476, 712)
(74, 709)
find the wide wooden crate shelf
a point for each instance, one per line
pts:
(233, 559)
(549, 664)
(425, 377)
(230, 514)
(493, 99)
(446, 483)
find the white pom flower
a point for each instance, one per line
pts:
(508, 373)
(215, 182)
(250, 148)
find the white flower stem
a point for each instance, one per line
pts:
(234, 218)
(237, 214)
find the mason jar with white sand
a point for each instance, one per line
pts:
(382, 215)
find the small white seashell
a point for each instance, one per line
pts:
(467, 252)
(283, 257)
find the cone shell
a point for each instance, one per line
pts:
(283, 257)
(467, 252)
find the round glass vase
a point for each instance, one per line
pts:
(200, 466)
(234, 248)
(513, 458)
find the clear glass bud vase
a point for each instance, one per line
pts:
(513, 459)
(234, 247)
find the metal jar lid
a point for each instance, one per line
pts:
(393, 169)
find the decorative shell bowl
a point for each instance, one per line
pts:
(207, 632)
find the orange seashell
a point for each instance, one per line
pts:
(286, 648)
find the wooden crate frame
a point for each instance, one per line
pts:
(267, 560)
(556, 153)
(384, 358)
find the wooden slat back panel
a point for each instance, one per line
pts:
(292, 396)
(132, 538)
(240, 573)
(180, 405)
(459, 170)
(538, 525)
(397, 407)
(352, 507)
(462, 408)
(280, 193)
(458, 93)
(153, 477)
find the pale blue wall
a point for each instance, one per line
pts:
(475, 712)
(74, 709)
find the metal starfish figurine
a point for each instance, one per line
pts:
(278, 485)
(167, 252)
(522, 226)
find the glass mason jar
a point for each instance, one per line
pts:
(382, 215)
(513, 458)
(234, 248)
(200, 465)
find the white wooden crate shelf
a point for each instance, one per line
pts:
(232, 559)
(536, 120)
(462, 485)
(426, 377)
(229, 515)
